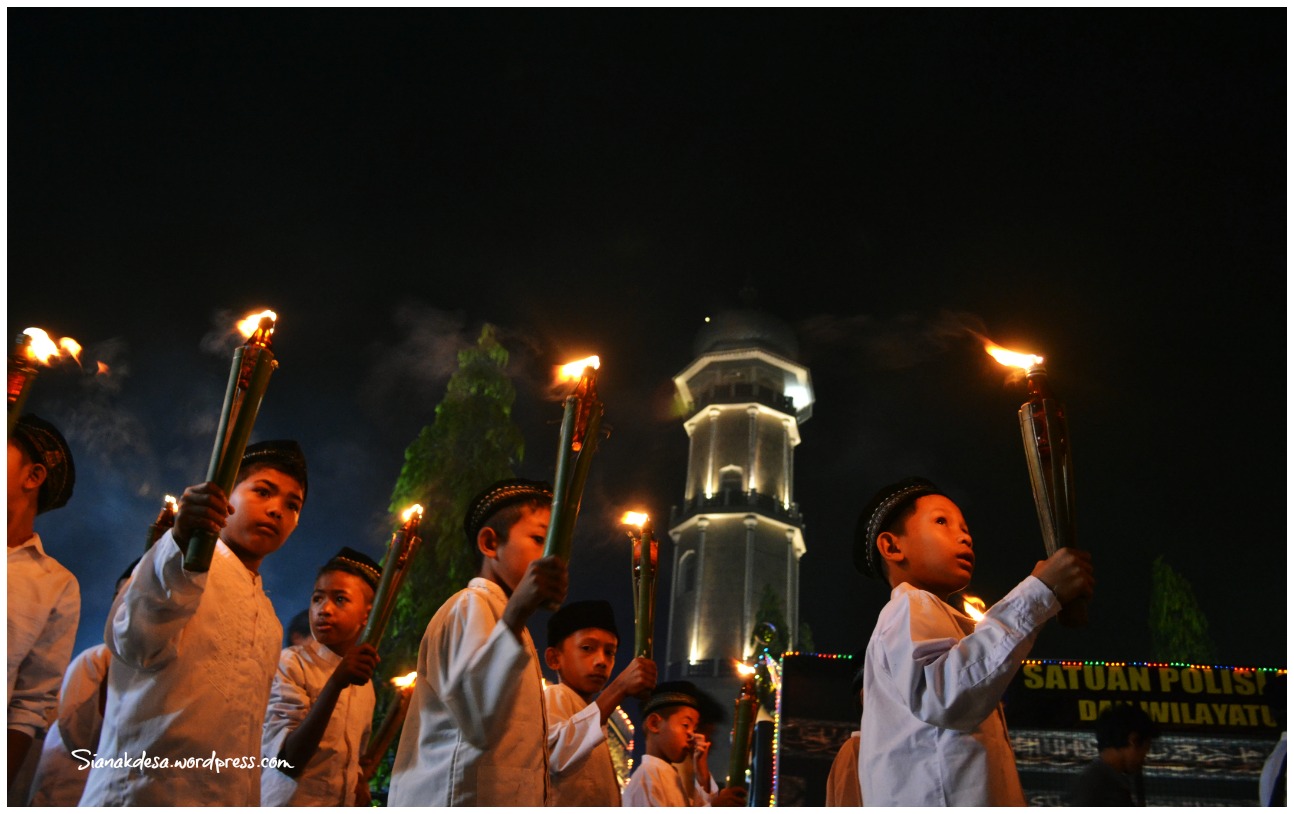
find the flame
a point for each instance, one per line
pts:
(574, 370)
(1011, 358)
(743, 669)
(42, 348)
(171, 503)
(410, 512)
(248, 325)
(638, 519)
(71, 347)
(103, 369)
(405, 681)
(974, 606)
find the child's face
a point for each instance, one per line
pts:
(673, 735)
(339, 607)
(267, 504)
(509, 558)
(584, 659)
(936, 544)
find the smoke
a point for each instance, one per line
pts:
(223, 336)
(415, 368)
(900, 342)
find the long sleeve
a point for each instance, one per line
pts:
(574, 729)
(148, 617)
(44, 605)
(952, 682)
(480, 660)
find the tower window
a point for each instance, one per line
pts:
(730, 479)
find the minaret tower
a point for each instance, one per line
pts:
(738, 533)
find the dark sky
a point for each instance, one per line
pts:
(1103, 187)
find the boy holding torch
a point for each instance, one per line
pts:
(194, 652)
(44, 597)
(476, 733)
(582, 642)
(322, 700)
(933, 732)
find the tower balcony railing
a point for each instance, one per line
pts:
(744, 393)
(736, 501)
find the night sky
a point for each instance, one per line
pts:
(1105, 188)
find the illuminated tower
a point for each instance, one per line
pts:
(738, 534)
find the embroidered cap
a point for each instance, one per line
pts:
(673, 694)
(357, 563)
(577, 616)
(283, 455)
(500, 495)
(878, 513)
(44, 444)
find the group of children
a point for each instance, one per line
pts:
(193, 710)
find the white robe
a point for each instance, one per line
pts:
(194, 657)
(331, 776)
(657, 783)
(580, 759)
(44, 610)
(476, 732)
(933, 732)
(60, 777)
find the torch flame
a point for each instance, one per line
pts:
(71, 347)
(171, 503)
(1010, 358)
(575, 370)
(405, 681)
(410, 512)
(103, 369)
(743, 669)
(634, 519)
(248, 326)
(974, 606)
(42, 348)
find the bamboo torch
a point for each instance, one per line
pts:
(380, 741)
(32, 348)
(581, 428)
(404, 542)
(165, 520)
(249, 375)
(1046, 450)
(743, 723)
(644, 580)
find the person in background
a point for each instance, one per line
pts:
(670, 718)
(842, 780)
(1123, 736)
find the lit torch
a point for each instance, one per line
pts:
(33, 347)
(249, 375)
(974, 607)
(743, 726)
(1046, 449)
(390, 726)
(399, 555)
(165, 520)
(644, 580)
(581, 426)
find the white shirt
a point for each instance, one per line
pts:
(933, 731)
(476, 733)
(44, 610)
(194, 657)
(60, 777)
(330, 778)
(656, 783)
(580, 759)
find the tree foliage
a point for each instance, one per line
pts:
(1178, 629)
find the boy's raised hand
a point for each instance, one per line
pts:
(543, 585)
(1068, 573)
(639, 676)
(357, 666)
(202, 507)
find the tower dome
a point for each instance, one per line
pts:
(746, 328)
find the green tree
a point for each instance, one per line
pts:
(771, 631)
(1178, 629)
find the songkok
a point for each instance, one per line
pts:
(357, 563)
(499, 496)
(284, 455)
(44, 444)
(578, 616)
(880, 511)
(673, 694)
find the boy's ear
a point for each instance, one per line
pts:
(652, 722)
(553, 658)
(890, 547)
(35, 476)
(488, 542)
